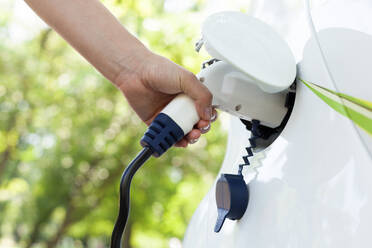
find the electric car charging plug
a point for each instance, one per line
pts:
(170, 126)
(250, 77)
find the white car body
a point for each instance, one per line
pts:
(313, 186)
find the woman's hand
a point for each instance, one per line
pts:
(150, 82)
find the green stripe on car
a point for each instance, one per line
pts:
(357, 110)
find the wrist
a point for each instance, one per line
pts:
(131, 64)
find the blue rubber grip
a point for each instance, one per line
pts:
(162, 134)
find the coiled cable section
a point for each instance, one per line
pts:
(255, 134)
(263, 134)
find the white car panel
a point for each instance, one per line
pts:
(313, 186)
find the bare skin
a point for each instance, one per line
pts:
(148, 81)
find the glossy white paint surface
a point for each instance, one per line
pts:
(313, 186)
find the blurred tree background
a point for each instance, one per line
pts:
(66, 135)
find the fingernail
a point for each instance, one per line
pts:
(193, 141)
(208, 113)
(205, 129)
(214, 116)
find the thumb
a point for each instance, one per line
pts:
(191, 86)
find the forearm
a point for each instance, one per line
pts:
(94, 32)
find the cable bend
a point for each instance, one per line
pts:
(124, 201)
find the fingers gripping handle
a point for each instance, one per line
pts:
(171, 125)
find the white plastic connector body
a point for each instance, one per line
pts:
(240, 95)
(234, 93)
(182, 110)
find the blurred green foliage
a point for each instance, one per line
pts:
(66, 134)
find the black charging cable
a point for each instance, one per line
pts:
(124, 201)
(162, 134)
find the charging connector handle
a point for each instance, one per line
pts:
(168, 127)
(171, 125)
(162, 133)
